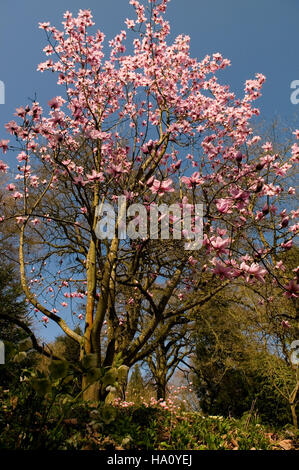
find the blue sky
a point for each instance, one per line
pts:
(256, 35)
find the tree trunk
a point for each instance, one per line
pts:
(91, 392)
(294, 415)
(161, 390)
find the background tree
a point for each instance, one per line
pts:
(12, 308)
(136, 386)
(167, 356)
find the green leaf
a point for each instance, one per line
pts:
(41, 386)
(110, 377)
(108, 414)
(58, 369)
(93, 375)
(89, 361)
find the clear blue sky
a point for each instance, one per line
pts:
(256, 35)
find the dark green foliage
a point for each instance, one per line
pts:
(32, 422)
(12, 304)
(71, 347)
(71, 354)
(136, 386)
(230, 368)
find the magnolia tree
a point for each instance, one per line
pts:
(142, 128)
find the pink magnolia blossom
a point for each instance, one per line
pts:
(224, 206)
(35, 221)
(4, 145)
(56, 103)
(253, 271)
(192, 261)
(287, 245)
(161, 188)
(20, 219)
(44, 25)
(292, 289)
(95, 176)
(3, 167)
(17, 195)
(80, 181)
(220, 245)
(280, 265)
(193, 180)
(224, 272)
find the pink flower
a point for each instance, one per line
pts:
(119, 169)
(20, 219)
(267, 147)
(129, 195)
(254, 270)
(95, 176)
(22, 156)
(220, 245)
(192, 261)
(10, 187)
(292, 289)
(20, 112)
(130, 23)
(45, 319)
(224, 206)
(222, 271)
(17, 195)
(35, 221)
(193, 180)
(3, 167)
(12, 127)
(285, 324)
(161, 188)
(280, 265)
(78, 180)
(56, 102)
(3, 145)
(287, 245)
(44, 26)
(285, 222)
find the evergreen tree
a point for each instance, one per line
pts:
(136, 386)
(12, 307)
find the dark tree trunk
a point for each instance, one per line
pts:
(161, 390)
